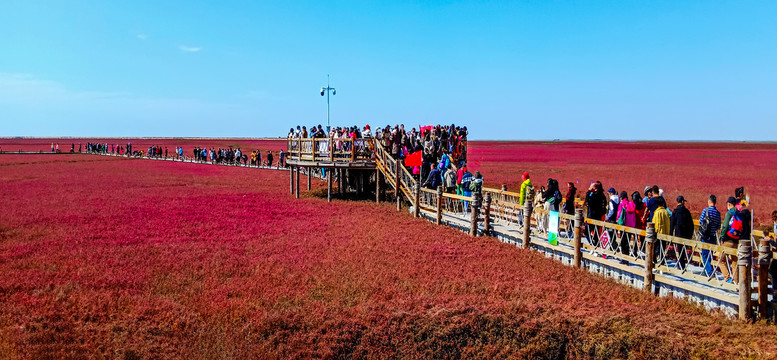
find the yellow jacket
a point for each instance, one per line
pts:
(661, 220)
(524, 185)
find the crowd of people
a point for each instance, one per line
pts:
(225, 156)
(724, 227)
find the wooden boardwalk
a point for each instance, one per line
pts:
(636, 257)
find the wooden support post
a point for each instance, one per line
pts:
(331, 149)
(417, 200)
(329, 185)
(398, 185)
(439, 205)
(764, 255)
(487, 214)
(527, 210)
(744, 259)
(650, 245)
(578, 243)
(340, 181)
(377, 185)
(296, 186)
(291, 180)
(309, 176)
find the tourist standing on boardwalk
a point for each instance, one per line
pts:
(552, 196)
(450, 180)
(596, 205)
(627, 211)
(459, 175)
(525, 186)
(681, 225)
(569, 199)
(612, 206)
(709, 224)
(434, 179)
(731, 231)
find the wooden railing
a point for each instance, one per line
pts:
(324, 149)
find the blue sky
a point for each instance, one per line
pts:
(628, 70)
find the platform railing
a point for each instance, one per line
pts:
(326, 149)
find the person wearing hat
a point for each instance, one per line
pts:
(681, 225)
(366, 133)
(612, 206)
(526, 184)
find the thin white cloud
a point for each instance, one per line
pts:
(192, 49)
(141, 36)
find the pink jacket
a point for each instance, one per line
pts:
(631, 212)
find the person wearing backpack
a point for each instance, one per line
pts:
(731, 232)
(709, 224)
(476, 185)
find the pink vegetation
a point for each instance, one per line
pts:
(126, 258)
(694, 170)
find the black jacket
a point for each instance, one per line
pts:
(597, 204)
(681, 223)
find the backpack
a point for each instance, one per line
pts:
(704, 226)
(735, 226)
(622, 216)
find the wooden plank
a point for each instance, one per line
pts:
(730, 299)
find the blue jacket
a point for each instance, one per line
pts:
(434, 180)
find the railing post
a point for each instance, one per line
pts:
(764, 255)
(417, 200)
(578, 244)
(296, 186)
(340, 181)
(353, 150)
(527, 210)
(473, 220)
(744, 259)
(439, 205)
(377, 185)
(487, 214)
(331, 149)
(312, 150)
(398, 186)
(650, 244)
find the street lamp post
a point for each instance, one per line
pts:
(327, 90)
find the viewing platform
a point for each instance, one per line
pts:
(331, 153)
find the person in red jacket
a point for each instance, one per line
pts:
(459, 175)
